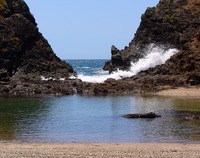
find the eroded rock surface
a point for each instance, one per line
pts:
(172, 23)
(23, 49)
(26, 56)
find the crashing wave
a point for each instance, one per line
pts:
(43, 78)
(155, 55)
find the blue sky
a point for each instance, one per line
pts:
(86, 29)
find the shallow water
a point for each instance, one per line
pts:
(98, 119)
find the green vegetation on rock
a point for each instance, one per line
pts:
(169, 17)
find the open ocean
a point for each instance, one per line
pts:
(88, 67)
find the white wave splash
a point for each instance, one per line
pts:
(154, 56)
(43, 78)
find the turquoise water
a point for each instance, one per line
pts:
(98, 119)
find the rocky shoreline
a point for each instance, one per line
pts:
(110, 87)
(26, 58)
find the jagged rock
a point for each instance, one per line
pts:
(26, 56)
(144, 115)
(117, 61)
(24, 52)
(114, 50)
(175, 24)
(179, 28)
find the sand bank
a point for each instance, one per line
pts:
(181, 92)
(90, 150)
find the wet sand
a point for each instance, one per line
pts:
(181, 92)
(90, 150)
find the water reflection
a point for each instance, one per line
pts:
(18, 114)
(98, 119)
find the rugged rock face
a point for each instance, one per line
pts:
(24, 52)
(186, 63)
(172, 23)
(25, 55)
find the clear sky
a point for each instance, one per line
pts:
(86, 29)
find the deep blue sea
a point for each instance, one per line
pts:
(89, 67)
(80, 118)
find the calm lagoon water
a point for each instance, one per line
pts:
(98, 119)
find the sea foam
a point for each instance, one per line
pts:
(155, 55)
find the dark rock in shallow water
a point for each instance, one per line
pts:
(144, 115)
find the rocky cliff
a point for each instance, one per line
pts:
(24, 52)
(25, 55)
(172, 23)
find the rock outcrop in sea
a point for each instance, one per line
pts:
(171, 24)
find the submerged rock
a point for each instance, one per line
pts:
(143, 115)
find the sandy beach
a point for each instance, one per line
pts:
(181, 92)
(91, 150)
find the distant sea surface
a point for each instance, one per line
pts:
(88, 67)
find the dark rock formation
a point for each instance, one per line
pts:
(194, 117)
(117, 60)
(145, 115)
(24, 52)
(174, 23)
(25, 55)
